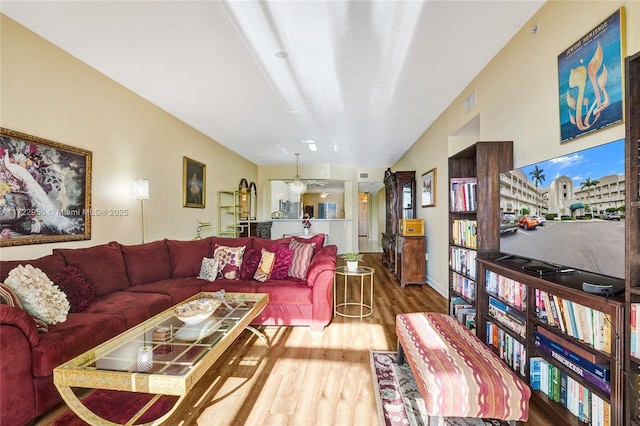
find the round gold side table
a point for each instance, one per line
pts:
(362, 272)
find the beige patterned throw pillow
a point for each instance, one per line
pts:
(39, 297)
(209, 269)
(265, 266)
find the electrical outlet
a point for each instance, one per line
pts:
(426, 256)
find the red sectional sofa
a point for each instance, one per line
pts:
(131, 284)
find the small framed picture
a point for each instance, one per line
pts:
(193, 183)
(429, 188)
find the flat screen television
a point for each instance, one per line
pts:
(582, 196)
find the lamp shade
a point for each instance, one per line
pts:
(141, 189)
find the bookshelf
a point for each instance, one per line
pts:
(474, 212)
(632, 236)
(571, 339)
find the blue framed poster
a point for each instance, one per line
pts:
(590, 79)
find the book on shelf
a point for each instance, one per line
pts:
(464, 232)
(588, 376)
(463, 285)
(508, 316)
(584, 353)
(470, 321)
(602, 370)
(587, 406)
(580, 322)
(463, 194)
(507, 289)
(463, 261)
(535, 366)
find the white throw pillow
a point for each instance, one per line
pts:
(209, 269)
(38, 295)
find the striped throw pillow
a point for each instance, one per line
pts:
(302, 254)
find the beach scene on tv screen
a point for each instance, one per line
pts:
(568, 210)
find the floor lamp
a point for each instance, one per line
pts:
(141, 192)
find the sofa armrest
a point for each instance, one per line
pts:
(320, 278)
(18, 318)
(323, 260)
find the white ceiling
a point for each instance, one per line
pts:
(363, 79)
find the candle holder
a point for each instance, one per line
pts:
(145, 358)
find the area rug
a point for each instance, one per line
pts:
(399, 400)
(118, 407)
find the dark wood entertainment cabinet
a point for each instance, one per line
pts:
(404, 255)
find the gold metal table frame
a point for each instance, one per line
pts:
(177, 364)
(340, 308)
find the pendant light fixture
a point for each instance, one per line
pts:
(297, 186)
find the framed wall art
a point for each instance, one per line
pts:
(45, 190)
(590, 79)
(194, 178)
(429, 188)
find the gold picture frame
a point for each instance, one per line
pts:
(45, 191)
(429, 188)
(194, 179)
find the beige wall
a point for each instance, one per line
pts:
(517, 100)
(47, 93)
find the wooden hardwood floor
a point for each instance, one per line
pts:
(307, 378)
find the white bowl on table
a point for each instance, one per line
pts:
(196, 311)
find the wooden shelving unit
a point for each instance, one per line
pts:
(632, 233)
(478, 169)
(567, 286)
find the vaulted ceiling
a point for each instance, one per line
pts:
(358, 80)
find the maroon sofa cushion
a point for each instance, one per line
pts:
(231, 286)
(231, 242)
(291, 291)
(186, 256)
(65, 340)
(134, 307)
(102, 265)
(50, 265)
(147, 263)
(178, 289)
(318, 239)
(260, 243)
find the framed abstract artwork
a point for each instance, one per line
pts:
(45, 190)
(194, 176)
(429, 188)
(590, 80)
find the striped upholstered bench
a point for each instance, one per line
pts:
(456, 374)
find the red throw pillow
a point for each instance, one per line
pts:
(284, 256)
(72, 283)
(250, 262)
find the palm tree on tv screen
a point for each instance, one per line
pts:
(537, 177)
(588, 183)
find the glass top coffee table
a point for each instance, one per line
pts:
(161, 356)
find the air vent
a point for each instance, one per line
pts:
(470, 102)
(364, 175)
